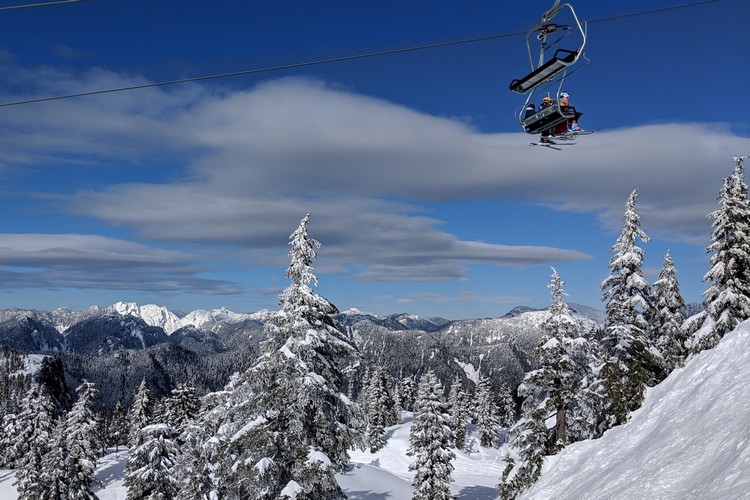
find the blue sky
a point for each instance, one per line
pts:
(422, 188)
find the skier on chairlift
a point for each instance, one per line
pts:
(545, 137)
(570, 125)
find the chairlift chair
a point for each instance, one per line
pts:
(545, 71)
(548, 118)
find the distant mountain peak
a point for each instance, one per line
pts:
(151, 314)
(518, 310)
(579, 309)
(170, 322)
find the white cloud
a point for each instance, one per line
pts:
(257, 160)
(295, 140)
(90, 261)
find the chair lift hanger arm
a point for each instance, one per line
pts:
(543, 71)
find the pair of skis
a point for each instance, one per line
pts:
(570, 136)
(553, 145)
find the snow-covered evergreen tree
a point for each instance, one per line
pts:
(14, 387)
(486, 414)
(299, 297)
(631, 363)
(200, 464)
(549, 420)
(529, 443)
(407, 394)
(382, 411)
(557, 375)
(728, 295)
(194, 466)
(54, 468)
(590, 407)
(290, 425)
(431, 442)
(117, 430)
(8, 434)
(139, 415)
(82, 444)
(459, 412)
(150, 473)
(506, 406)
(35, 427)
(182, 406)
(51, 375)
(668, 334)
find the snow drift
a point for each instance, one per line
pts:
(691, 438)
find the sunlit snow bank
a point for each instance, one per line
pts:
(690, 440)
(385, 475)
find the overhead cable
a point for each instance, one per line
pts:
(41, 4)
(325, 61)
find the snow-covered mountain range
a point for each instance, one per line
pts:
(170, 322)
(213, 344)
(132, 326)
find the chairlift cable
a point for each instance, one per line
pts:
(40, 4)
(268, 69)
(319, 61)
(649, 12)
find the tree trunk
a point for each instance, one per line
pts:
(560, 426)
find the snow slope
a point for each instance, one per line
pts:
(690, 440)
(385, 474)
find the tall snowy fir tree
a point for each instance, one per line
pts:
(549, 420)
(381, 409)
(35, 430)
(558, 375)
(139, 415)
(407, 394)
(667, 332)
(431, 443)
(51, 375)
(8, 432)
(459, 412)
(728, 295)
(200, 455)
(289, 427)
(82, 444)
(54, 467)
(117, 430)
(506, 406)
(486, 414)
(529, 439)
(630, 362)
(181, 407)
(150, 472)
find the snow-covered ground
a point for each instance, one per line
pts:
(690, 440)
(371, 476)
(32, 363)
(385, 474)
